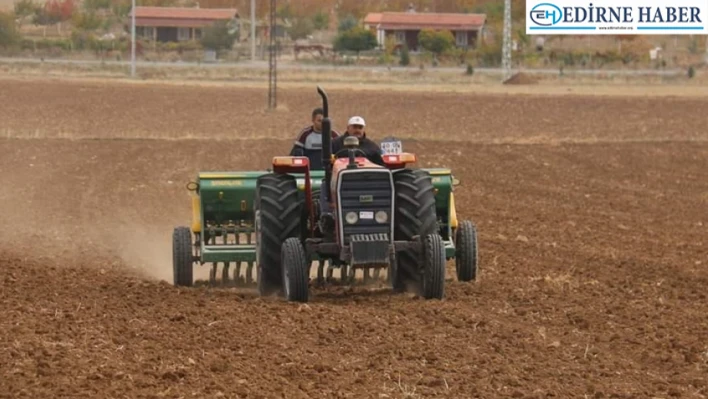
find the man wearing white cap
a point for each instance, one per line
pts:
(355, 127)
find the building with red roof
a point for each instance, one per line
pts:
(405, 26)
(173, 24)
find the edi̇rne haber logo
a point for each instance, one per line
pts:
(617, 17)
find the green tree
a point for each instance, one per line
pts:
(356, 39)
(405, 56)
(284, 11)
(93, 5)
(347, 23)
(25, 8)
(9, 35)
(121, 9)
(320, 20)
(87, 21)
(300, 28)
(437, 42)
(217, 37)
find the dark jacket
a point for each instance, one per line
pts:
(369, 147)
(309, 144)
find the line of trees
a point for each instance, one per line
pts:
(356, 8)
(49, 13)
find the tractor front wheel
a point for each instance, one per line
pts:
(433, 286)
(182, 265)
(296, 270)
(466, 251)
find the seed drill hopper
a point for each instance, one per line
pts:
(270, 226)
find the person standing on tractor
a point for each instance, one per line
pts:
(355, 127)
(309, 142)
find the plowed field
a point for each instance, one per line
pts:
(592, 215)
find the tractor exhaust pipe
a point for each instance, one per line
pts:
(326, 142)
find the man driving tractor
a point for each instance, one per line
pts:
(309, 141)
(355, 127)
(372, 151)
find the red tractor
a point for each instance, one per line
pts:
(365, 216)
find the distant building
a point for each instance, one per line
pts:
(405, 27)
(175, 24)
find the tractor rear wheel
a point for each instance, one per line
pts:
(466, 251)
(433, 266)
(278, 217)
(182, 265)
(415, 216)
(296, 270)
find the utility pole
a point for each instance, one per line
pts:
(506, 50)
(272, 60)
(132, 41)
(253, 30)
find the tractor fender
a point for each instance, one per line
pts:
(196, 214)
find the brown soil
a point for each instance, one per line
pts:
(592, 243)
(521, 78)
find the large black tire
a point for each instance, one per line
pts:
(414, 216)
(466, 251)
(182, 265)
(296, 270)
(278, 217)
(433, 286)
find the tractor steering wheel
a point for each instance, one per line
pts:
(345, 153)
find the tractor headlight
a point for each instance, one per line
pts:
(351, 217)
(381, 217)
